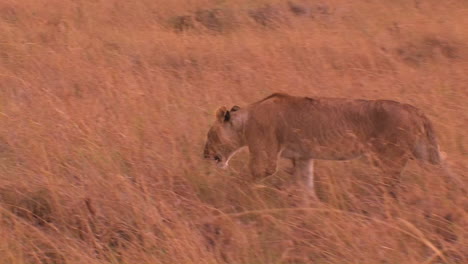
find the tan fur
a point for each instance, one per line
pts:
(304, 129)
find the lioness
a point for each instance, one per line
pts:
(306, 128)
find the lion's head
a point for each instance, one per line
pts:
(225, 136)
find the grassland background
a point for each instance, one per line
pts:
(104, 106)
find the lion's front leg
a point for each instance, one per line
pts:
(262, 164)
(291, 170)
(263, 155)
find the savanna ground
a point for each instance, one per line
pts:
(104, 107)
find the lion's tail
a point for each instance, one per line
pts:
(434, 154)
(427, 148)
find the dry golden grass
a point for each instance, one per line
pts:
(104, 106)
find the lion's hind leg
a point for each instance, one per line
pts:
(391, 160)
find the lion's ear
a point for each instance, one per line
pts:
(235, 108)
(222, 114)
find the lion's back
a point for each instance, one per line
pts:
(327, 115)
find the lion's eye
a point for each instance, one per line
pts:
(217, 158)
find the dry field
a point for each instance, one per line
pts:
(104, 107)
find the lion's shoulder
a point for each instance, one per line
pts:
(275, 95)
(285, 98)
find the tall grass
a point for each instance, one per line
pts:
(104, 106)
